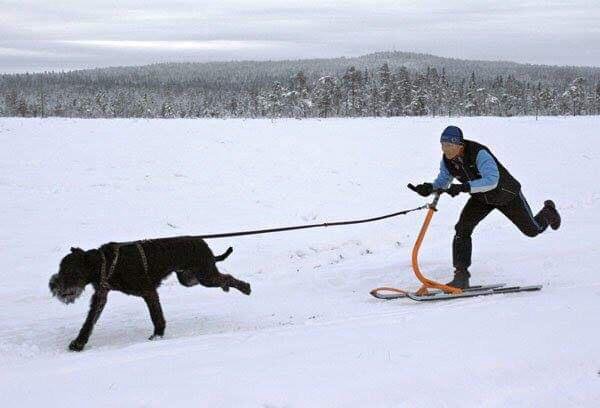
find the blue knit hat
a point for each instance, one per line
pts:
(452, 134)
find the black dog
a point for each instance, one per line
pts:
(137, 268)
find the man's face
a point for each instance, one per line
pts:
(451, 150)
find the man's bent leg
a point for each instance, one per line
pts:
(520, 214)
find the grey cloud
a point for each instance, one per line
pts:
(526, 31)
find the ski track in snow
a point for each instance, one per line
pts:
(310, 334)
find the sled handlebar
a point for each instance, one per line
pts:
(436, 198)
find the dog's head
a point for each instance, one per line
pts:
(72, 277)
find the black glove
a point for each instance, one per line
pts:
(456, 189)
(424, 189)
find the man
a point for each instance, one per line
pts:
(491, 187)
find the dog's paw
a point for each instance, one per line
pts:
(245, 288)
(155, 337)
(76, 345)
(225, 288)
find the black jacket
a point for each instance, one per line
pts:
(464, 168)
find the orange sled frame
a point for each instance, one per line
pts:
(426, 283)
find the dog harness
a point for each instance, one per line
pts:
(105, 277)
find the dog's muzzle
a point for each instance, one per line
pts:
(65, 295)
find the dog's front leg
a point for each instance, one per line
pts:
(96, 306)
(156, 313)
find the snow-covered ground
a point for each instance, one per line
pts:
(310, 335)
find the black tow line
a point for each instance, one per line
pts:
(296, 227)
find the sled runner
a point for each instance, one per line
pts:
(394, 293)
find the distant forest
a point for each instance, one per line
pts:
(380, 84)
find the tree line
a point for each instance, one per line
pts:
(351, 92)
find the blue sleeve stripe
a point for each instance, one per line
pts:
(443, 179)
(487, 167)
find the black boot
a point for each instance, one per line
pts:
(551, 214)
(461, 279)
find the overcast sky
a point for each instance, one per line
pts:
(54, 34)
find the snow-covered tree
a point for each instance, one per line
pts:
(576, 94)
(325, 96)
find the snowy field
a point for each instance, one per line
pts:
(310, 335)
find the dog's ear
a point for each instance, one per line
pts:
(76, 250)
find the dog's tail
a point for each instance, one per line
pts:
(224, 255)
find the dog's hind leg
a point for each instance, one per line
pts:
(212, 278)
(96, 306)
(158, 319)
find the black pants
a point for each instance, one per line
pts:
(517, 210)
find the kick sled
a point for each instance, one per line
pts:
(431, 290)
